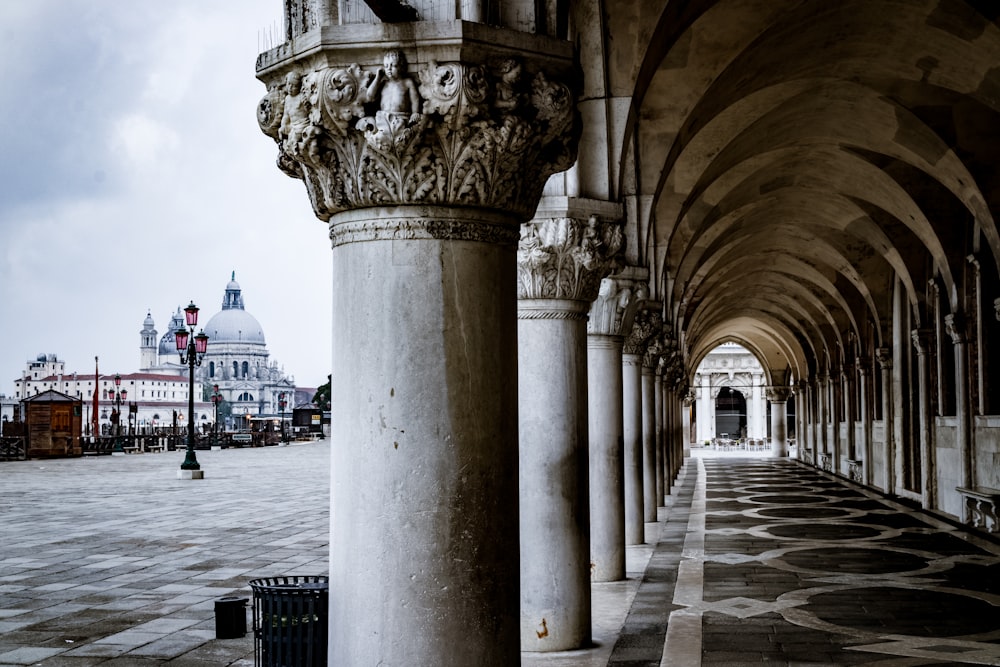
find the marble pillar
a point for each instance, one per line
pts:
(884, 357)
(611, 316)
(560, 264)
(864, 389)
(635, 529)
(607, 453)
(632, 379)
(658, 441)
(424, 462)
(649, 360)
(778, 397)
(928, 486)
(955, 327)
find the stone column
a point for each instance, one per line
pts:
(423, 191)
(778, 397)
(658, 446)
(884, 357)
(560, 264)
(610, 317)
(921, 340)
(650, 359)
(824, 412)
(634, 347)
(686, 424)
(803, 417)
(864, 389)
(955, 327)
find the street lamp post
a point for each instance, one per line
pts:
(281, 406)
(191, 349)
(216, 399)
(119, 395)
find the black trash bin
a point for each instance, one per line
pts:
(290, 621)
(230, 618)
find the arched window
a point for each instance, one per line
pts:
(236, 369)
(245, 397)
(211, 369)
(246, 369)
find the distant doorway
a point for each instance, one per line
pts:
(730, 414)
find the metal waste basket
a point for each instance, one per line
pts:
(290, 621)
(230, 618)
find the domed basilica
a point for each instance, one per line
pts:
(237, 359)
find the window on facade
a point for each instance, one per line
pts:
(246, 369)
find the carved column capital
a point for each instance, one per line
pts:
(645, 324)
(921, 340)
(954, 325)
(778, 394)
(884, 357)
(613, 311)
(996, 308)
(436, 122)
(565, 258)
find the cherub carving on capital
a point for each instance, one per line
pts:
(399, 104)
(298, 131)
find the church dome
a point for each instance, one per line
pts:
(168, 346)
(233, 324)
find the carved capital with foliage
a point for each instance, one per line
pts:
(613, 311)
(566, 258)
(482, 126)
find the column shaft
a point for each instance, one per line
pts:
(553, 437)
(658, 440)
(607, 468)
(649, 443)
(635, 529)
(424, 329)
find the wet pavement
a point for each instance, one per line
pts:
(114, 561)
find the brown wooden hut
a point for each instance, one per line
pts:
(54, 421)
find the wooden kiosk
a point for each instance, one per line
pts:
(54, 422)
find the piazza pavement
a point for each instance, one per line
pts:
(113, 561)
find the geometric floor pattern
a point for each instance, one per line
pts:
(785, 565)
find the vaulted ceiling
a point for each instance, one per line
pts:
(797, 158)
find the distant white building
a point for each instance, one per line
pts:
(159, 399)
(729, 387)
(237, 361)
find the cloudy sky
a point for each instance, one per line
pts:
(133, 177)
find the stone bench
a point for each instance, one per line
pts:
(981, 505)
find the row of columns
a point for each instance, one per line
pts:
(479, 467)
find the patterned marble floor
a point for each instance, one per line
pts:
(783, 565)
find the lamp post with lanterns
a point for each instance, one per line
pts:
(216, 399)
(118, 394)
(192, 350)
(281, 406)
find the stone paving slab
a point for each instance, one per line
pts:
(113, 561)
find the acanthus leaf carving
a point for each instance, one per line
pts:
(565, 258)
(467, 134)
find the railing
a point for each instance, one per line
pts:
(12, 448)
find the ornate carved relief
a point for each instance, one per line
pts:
(452, 133)
(646, 323)
(565, 258)
(884, 357)
(921, 340)
(778, 394)
(954, 325)
(613, 311)
(996, 308)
